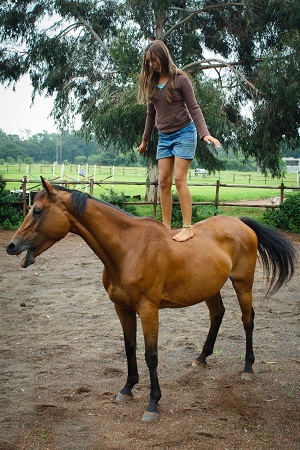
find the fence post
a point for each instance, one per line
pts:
(281, 192)
(91, 187)
(217, 194)
(24, 187)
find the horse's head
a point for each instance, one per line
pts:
(47, 222)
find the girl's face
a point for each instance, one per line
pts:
(153, 62)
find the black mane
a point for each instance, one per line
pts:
(78, 199)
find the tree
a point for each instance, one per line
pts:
(10, 217)
(86, 54)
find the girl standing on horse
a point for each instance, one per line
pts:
(173, 109)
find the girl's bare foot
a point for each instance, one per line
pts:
(185, 234)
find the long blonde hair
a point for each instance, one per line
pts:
(148, 78)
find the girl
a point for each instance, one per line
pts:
(173, 109)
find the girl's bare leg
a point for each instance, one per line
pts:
(181, 167)
(166, 167)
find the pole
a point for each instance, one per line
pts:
(24, 187)
(217, 195)
(281, 192)
(91, 187)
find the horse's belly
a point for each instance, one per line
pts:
(183, 303)
(192, 295)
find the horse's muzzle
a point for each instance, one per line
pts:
(13, 249)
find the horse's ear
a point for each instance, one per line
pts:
(48, 187)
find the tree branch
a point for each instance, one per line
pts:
(220, 64)
(95, 36)
(205, 9)
(67, 29)
(91, 30)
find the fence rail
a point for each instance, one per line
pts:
(27, 199)
(85, 171)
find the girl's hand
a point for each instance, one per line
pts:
(210, 139)
(143, 147)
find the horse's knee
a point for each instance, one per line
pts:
(248, 320)
(151, 359)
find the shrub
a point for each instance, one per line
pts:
(10, 215)
(117, 199)
(198, 212)
(287, 215)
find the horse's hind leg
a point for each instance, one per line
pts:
(249, 358)
(128, 322)
(245, 301)
(216, 312)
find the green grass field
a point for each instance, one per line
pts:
(203, 189)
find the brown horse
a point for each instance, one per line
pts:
(145, 270)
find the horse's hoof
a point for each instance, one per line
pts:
(247, 376)
(124, 397)
(150, 416)
(198, 364)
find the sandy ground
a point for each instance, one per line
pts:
(62, 363)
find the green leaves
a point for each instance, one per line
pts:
(10, 217)
(287, 216)
(87, 55)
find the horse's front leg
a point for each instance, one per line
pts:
(150, 324)
(128, 322)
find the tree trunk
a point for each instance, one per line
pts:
(152, 191)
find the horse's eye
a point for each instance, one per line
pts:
(36, 211)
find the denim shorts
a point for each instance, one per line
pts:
(181, 143)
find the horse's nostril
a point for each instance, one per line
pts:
(10, 247)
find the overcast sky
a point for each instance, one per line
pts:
(16, 115)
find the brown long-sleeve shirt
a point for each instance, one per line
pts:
(172, 116)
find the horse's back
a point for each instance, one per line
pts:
(225, 228)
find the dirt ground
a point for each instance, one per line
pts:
(62, 363)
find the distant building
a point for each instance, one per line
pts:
(292, 164)
(202, 172)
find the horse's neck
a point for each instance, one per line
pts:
(103, 228)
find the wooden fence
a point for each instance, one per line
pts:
(86, 171)
(28, 194)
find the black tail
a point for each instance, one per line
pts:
(277, 254)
